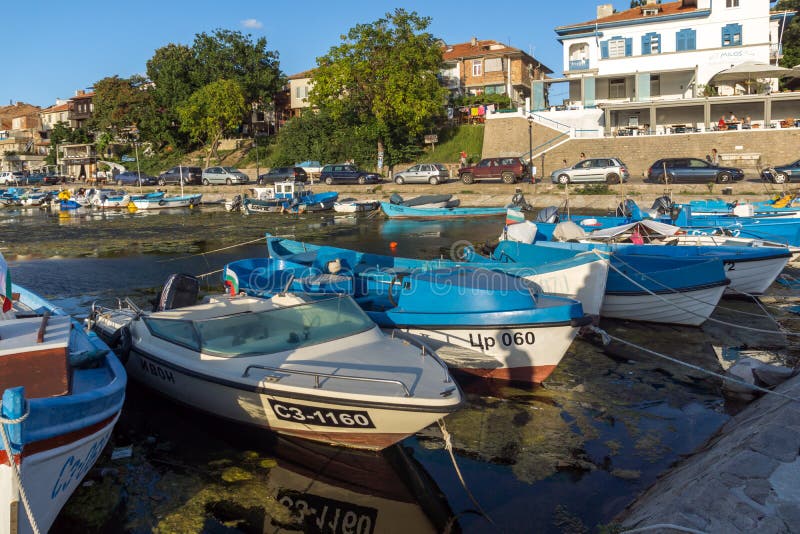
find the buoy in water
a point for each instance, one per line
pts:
(393, 244)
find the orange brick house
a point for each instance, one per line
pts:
(490, 67)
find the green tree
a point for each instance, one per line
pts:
(120, 104)
(211, 111)
(382, 80)
(226, 54)
(791, 35)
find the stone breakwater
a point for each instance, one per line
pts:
(747, 479)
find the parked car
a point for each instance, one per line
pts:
(311, 167)
(224, 175)
(509, 170)
(782, 173)
(431, 173)
(52, 179)
(680, 170)
(283, 174)
(347, 173)
(189, 175)
(12, 177)
(132, 178)
(607, 170)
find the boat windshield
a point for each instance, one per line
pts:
(268, 331)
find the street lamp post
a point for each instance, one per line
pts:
(530, 146)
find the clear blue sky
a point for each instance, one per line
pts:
(53, 49)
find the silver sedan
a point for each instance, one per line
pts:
(428, 173)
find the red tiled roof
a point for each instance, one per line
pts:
(86, 95)
(300, 75)
(671, 8)
(56, 109)
(481, 48)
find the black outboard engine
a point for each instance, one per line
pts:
(181, 290)
(236, 203)
(623, 210)
(395, 199)
(548, 215)
(674, 211)
(662, 205)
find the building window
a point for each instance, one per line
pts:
(685, 40)
(732, 35)
(301, 91)
(651, 44)
(655, 85)
(731, 3)
(616, 47)
(494, 64)
(616, 88)
(495, 89)
(477, 67)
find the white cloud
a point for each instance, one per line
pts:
(252, 24)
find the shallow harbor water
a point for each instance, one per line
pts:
(566, 457)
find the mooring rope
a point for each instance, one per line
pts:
(212, 251)
(448, 445)
(607, 338)
(15, 468)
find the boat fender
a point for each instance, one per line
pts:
(162, 202)
(121, 343)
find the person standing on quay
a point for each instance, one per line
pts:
(463, 159)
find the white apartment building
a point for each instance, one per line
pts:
(661, 55)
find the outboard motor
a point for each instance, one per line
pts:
(674, 211)
(395, 199)
(623, 210)
(236, 203)
(548, 215)
(662, 205)
(181, 290)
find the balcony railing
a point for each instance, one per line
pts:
(578, 64)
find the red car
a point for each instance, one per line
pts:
(509, 170)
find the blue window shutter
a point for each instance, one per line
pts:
(628, 47)
(691, 44)
(725, 36)
(604, 49)
(658, 35)
(645, 44)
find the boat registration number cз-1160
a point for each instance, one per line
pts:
(314, 415)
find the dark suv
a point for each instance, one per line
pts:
(283, 174)
(510, 170)
(189, 175)
(347, 173)
(680, 170)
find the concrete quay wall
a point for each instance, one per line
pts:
(748, 149)
(747, 479)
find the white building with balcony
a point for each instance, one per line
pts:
(651, 65)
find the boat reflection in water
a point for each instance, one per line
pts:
(333, 490)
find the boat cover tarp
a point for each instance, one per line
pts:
(567, 230)
(645, 227)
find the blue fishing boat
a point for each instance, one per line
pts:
(660, 289)
(63, 390)
(510, 330)
(577, 275)
(397, 211)
(779, 206)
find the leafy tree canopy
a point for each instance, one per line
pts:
(211, 111)
(120, 103)
(791, 35)
(382, 80)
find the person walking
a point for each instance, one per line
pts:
(714, 157)
(463, 159)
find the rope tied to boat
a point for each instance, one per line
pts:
(448, 445)
(607, 338)
(14, 467)
(781, 330)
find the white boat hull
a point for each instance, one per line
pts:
(526, 354)
(753, 277)
(585, 282)
(49, 477)
(690, 308)
(354, 207)
(165, 203)
(280, 412)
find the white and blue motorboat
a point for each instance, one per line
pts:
(779, 206)
(63, 390)
(164, 202)
(672, 290)
(289, 196)
(119, 199)
(309, 366)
